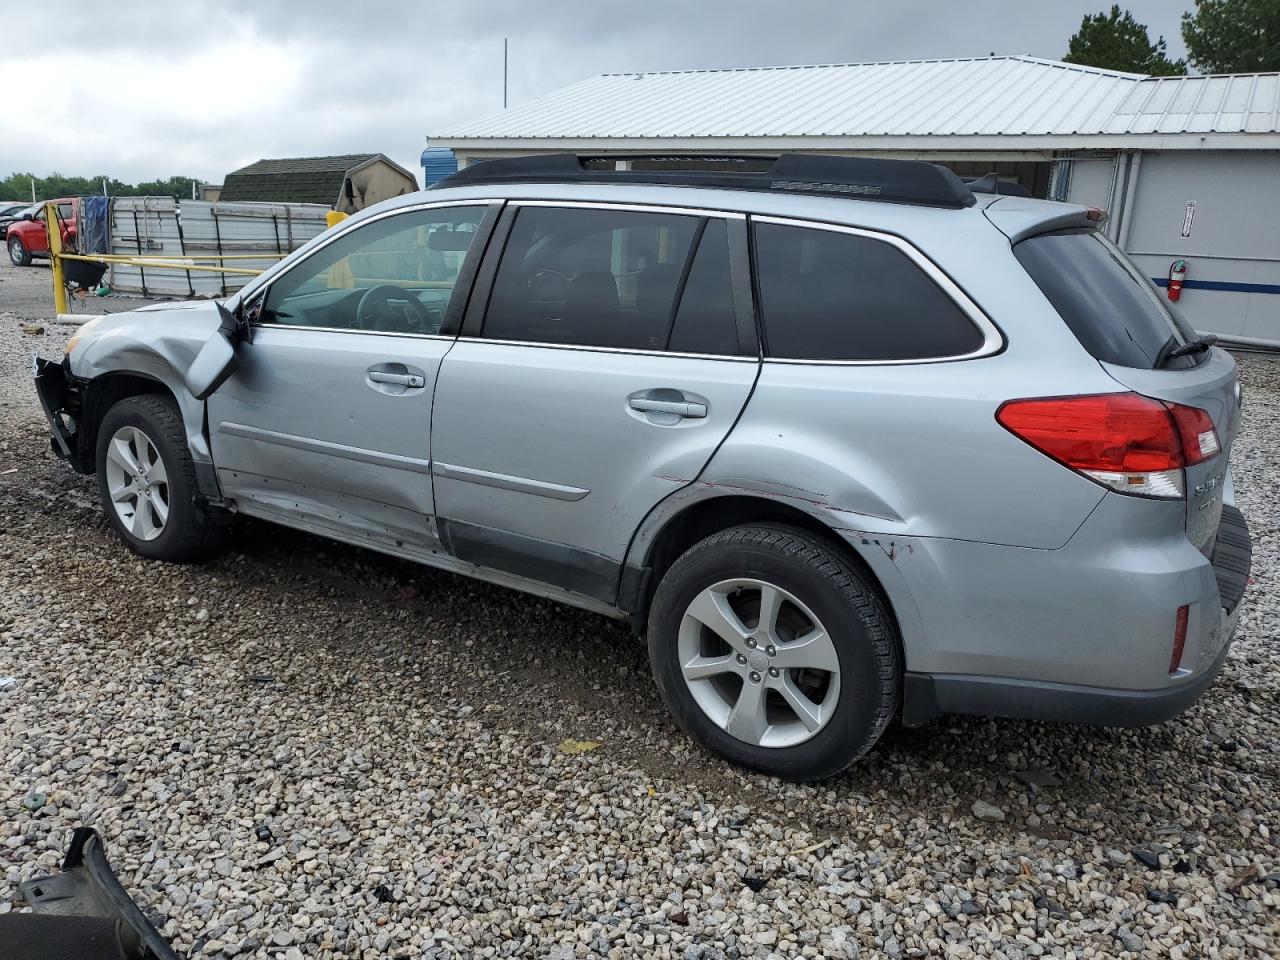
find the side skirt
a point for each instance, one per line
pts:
(433, 558)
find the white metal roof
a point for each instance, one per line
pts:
(929, 103)
(1233, 103)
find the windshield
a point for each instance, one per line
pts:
(1115, 312)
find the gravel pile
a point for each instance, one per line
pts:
(301, 750)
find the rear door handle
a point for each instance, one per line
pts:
(681, 408)
(400, 379)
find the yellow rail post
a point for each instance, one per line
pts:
(55, 258)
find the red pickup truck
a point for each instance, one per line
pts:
(29, 238)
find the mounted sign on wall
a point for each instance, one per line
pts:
(1188, 217)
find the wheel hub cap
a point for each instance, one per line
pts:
(137, 483)
(759, 663)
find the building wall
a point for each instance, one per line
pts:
(1092, 181)
(373, 183)
(1234, 235)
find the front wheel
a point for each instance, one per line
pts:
(18, 254)
(148, 483)
(775, 651)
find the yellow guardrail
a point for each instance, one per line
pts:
(184, 261)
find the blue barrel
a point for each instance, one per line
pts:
(437, 163)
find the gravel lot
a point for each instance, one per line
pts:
(301, 749)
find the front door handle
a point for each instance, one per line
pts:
(681, 408)
(399, 379)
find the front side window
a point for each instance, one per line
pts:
(829, 295)
(590, 277)
(394, 275)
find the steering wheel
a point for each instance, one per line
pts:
(547, 284)
(373, 312)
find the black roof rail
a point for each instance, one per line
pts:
(991, 183)
(855, 178)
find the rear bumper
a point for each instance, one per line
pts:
(928, 695)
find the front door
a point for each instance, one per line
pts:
(326, 422)
(616, 352)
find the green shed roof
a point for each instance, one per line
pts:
(293, 179)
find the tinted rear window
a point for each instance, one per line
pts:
(705, 321)
(1114, 311)
(827, 295)
(590, 277)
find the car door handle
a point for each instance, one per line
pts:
(400, 379)
(681, 408)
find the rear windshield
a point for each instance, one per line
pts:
(1114, 311)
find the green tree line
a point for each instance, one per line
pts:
(17, 186)
(1222, 36)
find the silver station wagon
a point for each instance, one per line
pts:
(847, 440)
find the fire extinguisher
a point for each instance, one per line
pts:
(1177, 274)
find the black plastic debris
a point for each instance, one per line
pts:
(1148, 857)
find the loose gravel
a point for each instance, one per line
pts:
(303, 750)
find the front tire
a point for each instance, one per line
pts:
(775, 651)
(147, 481)
(18, 254)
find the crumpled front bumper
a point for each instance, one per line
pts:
(81, 913)
(55, 388)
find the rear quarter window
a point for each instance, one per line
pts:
(830, 295)
(1115, 312)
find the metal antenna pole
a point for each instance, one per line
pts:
(504, 73)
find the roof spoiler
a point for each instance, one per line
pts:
(853, 178)
(1019, 219)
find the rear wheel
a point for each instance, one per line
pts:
(18, 255)
(147, 481)
(774, 651)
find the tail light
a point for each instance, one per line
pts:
(1124, 441)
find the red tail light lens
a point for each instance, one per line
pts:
(1196, 430)
(1125, 441)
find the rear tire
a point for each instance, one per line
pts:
(18, 254)
(148, 483)
(805, 693)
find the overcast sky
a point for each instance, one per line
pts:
(139, 90)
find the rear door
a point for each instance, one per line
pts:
(606, 354)
(326, 422)
(1124, 321)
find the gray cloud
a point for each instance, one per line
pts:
(202, 87)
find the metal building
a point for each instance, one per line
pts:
(1188, 167)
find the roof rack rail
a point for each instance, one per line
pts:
(854, 178)
(991, 183)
